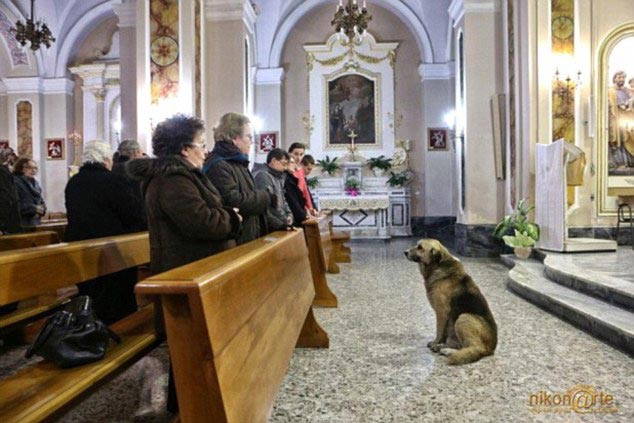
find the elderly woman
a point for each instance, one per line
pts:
(32, 206)
(227, 168)
(186, 216)
(100, 203)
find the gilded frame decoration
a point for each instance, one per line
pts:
(376, 80)
(609, 183)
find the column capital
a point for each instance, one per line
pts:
(231, 10)
(436, 71)
(269, 76)
(126, 12)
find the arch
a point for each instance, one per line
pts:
(78, 32)
(401, 10)
(39, 65)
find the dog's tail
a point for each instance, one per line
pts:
(468, 355)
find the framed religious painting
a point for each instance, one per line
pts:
(267, 141)
(4, 144)
(437, 139)
(615, 129)
(55, 149)
(352, 110)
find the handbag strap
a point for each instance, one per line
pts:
(42, 337)
(113, 335)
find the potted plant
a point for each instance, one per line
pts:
(329, 166)
(399, 179)
(353, 187)
(312, 182)
(526, 233)
(379, 165)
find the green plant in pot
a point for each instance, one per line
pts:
(399, 179)
(329, 166)
(379, 164)
(312, 182)
(525, 233)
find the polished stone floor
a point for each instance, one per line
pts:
(379, 370)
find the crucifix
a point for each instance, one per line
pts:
(352, 135)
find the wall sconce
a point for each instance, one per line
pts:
(565, 87)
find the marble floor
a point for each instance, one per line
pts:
(378, 368)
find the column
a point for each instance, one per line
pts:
(126, 12)
(228, 24)
(268, 103)
(100, 97)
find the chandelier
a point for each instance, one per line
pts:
(36, 33)
(351, 21)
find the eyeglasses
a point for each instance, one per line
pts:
(31, 167)
(196, 144)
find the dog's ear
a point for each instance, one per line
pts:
(436, 255)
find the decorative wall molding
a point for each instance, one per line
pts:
(126, 12)
(231, 10)
(58, 86)
(437, 71)
(97, 74)
(456, 11)
(27, 85)
(270, 76)
(3, 88)
(18, 54)
(458, 8)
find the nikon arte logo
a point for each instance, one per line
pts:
(582, 399)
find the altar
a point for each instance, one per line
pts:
(377, 214)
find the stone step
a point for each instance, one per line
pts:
(603, 320)
(607, 287)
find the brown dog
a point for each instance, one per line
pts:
(465, 328)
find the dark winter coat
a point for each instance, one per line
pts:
(100, 203)
(295, 199)
(272, 181)
(118, 167)
(187, 219)
(29, 197)
(227, 168)
(9, 212)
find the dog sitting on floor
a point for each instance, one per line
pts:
(465, 328)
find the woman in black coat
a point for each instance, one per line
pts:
(100, 203)
(294, 196)
(30, 200)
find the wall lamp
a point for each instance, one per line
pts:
(565, 86)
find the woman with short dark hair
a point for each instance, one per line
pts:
(31, 203)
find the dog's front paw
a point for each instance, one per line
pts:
(435, 346)
(447, 351)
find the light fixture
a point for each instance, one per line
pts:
(565, 87)
(351, 21)
(36, 33)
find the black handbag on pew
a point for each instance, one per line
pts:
(73, 336)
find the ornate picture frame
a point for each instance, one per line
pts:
(437, 139)
(267, 141)
(55, 149)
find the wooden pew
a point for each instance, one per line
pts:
(56, 225)
(232, 322)
(340, 251)
(319, 243)
(28, 240)
(41, 391)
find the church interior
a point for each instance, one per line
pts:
(503, 129)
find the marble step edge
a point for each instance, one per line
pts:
(604, 290)
(602, 320)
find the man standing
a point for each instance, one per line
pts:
(9, 211)
(227, 168)
(271, 179)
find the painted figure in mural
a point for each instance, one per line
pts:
(351, 108)
(620, 127)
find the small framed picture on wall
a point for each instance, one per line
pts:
(55, 149)
(4, 144)
(267, 141)
(437, 139)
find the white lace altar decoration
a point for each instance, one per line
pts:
(361, 202)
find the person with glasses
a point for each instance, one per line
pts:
(271, 179)
(228, 169)
(186, 215)
(32, 206)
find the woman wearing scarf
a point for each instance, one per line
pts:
(32, 206)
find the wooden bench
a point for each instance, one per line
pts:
(319, 243)
(232, 321)
(41, 391)
(340, 251)
(28, 240)
(56, 225)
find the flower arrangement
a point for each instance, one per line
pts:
(312, 182)
(329, 166)
(353, 187)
